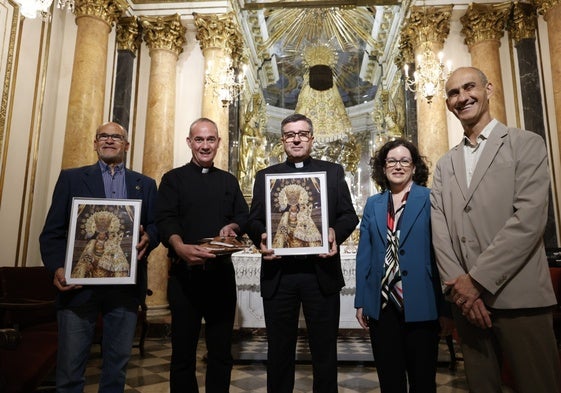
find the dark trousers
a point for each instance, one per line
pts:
(404, 351)
(321, 313)
(195, 294)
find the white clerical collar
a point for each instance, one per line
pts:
(299, 165)
(205, 170)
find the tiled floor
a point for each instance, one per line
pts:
(357, 374)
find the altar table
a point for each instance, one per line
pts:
(250, 306)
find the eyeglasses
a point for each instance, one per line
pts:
(114, 137)
(404, 162)
(304, 136)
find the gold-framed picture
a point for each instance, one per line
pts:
(297, 217)
(102, 240)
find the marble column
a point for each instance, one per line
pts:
(221, 44)
(128, 40)
(483, 27)
(523, 32)
(164, 36)
(94, 19)
(551, 11)
(428, 27)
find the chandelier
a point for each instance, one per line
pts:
(430, 75)
(227, 83)
(32, 8)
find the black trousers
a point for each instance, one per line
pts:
(404, 351)
(194, 294)
(321, 313)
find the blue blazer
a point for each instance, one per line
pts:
(87, 182)
(421, 283)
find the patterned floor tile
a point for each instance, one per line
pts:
(357, 374)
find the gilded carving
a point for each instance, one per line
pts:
(544, 6)
(524, 21)
(406, 54)
(483, 22)
(427, 24)
(164, 32)
(7, 90)
(217, 31)
(107, 10)
(128, 34)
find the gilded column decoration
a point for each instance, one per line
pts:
(221, 44)
(128, 34)
(524, 22)
(165, 36)
(128, 41)
(94, 19)
(429, 27)
(483, 27)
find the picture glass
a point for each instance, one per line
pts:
(297, 222)
(102, 241)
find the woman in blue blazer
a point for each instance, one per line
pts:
(398, 293)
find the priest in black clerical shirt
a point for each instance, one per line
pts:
(199, 201)
(311, 281)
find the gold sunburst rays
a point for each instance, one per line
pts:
(293, 29)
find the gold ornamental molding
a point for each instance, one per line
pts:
(108, 11)
(483, 22)
(544, 6)
(128, 34)
(254, 5)
(217, 31)
(427, 24)
(524, 21)
(164, 32)
(406, 53)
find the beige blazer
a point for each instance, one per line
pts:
(493, 230)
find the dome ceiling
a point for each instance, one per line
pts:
(362, 35)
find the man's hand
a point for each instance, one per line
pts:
(143, 243)
(268, 254)
(361, 318)
(230, 230)
(479, 315)
(332, 244)
(59, 281)
(464, 291)
(193, 254)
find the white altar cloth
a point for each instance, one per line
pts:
(250, 306)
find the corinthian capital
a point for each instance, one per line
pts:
(218, 31)
(128, 37)
(524, 21)
(483, 22)
(545, 5)
(107, 10)
(164, 32)
(427, 24)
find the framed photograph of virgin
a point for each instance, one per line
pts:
(102, 239)
(297, 220)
